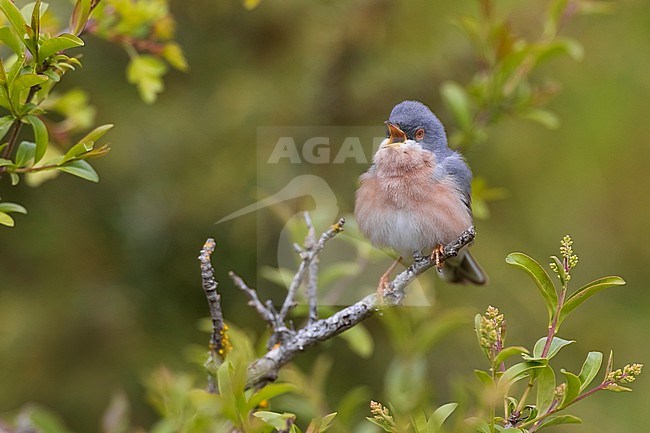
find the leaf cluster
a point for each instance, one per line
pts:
(146, 30)
(40, 53)
(506, 82)
(552, 395)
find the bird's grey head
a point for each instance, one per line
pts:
(420, 124)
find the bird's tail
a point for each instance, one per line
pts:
(463, 269)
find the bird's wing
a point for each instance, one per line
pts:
(456, 168)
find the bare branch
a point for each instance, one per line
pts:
(265, 369)
(312, 272)
(266, 312)
(286, 343)
(217, 348)
(290, 300)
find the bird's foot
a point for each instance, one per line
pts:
(384, 286)
(437, 255)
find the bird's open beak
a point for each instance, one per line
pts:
(396, 135)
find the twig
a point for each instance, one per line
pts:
(13, 138)
(290, 300)
(312, 274)
(266, 312)
(308, 267)
(217, 339)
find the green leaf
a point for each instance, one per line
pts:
(610, 363)
(540, 277)
(40, 136)
(419, 421)
(360, 341)
(6, 220)
(456, 98)
(36, 24)
(15, 69)
(439, 416)
(87, 143)
(15, 179)
(279, 421)
(146, 71)
(43, 420)
(8, 36)
(561, 272)
(326, 422)
(590, 369)
(52, 75)
(572, 388)
(559, 419)
(5, 162)
(268, 392)
(27, 11)
(516, 373)
(545, 118)
(561, 46)
(484, 377)
(406, 381)
(3, 73)
(60, 43)
(173, 53)
(478, 424)
(615, 387)
(555, 12)
(13, 15)
(80, 169)
(8, 207)
(4, 99)
(25, 81)
(556, 344)
(478, 330)
(5, 125)
(320, 425)
(80, 15)
(545, 389)
(226, 391)
(25, 153)
(508, 352)
(587, 291)
(381, 424)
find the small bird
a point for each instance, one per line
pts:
(416, 196)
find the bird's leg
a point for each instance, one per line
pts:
(437, 254)
(382, 288)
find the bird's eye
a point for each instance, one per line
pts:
(419, 134)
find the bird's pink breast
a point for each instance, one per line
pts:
(401, 206)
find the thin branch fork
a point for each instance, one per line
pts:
(308, 270)
(286, 343)
(266, 368)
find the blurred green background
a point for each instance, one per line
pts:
(99, 284)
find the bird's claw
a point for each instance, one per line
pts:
(384, 286)
(437, 256)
